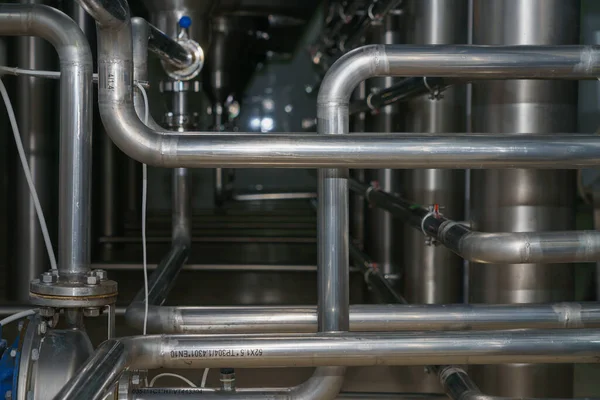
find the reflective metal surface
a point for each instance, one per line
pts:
(365, 318)
(36, 125)
(382, 236)
(192, 150)
(433, 274)
(524, 200)
(61, 353)
(75, 123)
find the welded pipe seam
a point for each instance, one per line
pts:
(341, 349)
(366, 318)
(163, 148)
(487, 247)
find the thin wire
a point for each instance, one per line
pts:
(28, 177)
(171, 375)
(144, 204)
(204, 377)
(34, 72)
(17, 316)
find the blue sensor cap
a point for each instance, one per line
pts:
(185, 22)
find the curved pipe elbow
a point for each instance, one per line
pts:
(350, 70)
(51, 24)
(107, 13)
(325, 383)
(134, 138)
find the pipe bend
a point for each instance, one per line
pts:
(107, 13)
(52, 25)
(350, 70)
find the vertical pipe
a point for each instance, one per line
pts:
(108, 205)
(381, 232)
(333, 256)
(524, 200)
(433, 274)
(34, 105)
(182, 207)
(332, 229)
(357, 202)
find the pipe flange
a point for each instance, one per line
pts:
(188, 73)
(64, 291)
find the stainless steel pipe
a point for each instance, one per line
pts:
(367, 318)
(459, 386)
(76, 113)
(168, 49)
(343, 349)
(267, 394)
(500, 247)
(163, 148)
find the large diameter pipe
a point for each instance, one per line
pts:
(343, 349)
(366, 318)
(163, 148)
(75, 123)
(525, 200)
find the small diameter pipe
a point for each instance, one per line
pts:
(459, 386)
(376, 11)
(75, 123)
(168, 49)
(481, 247)
(404, 90)
(102, 370)
(374, 278)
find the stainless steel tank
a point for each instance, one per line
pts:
(433, 274)
(524, 200)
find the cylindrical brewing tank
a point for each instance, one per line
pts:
(381, 234)
(524, 200)
(433, 274)
(38, 132)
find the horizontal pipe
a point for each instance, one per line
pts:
(7, 310)
(343, 349)
(367, 318)
(273, 394)
(215, 267)
(203, 149)
(404, 90)
(481, 247)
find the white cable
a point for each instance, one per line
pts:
(144, 203)
(17, 316)
(15, 71)
(204, 377)
(171, 375)
(27, 171)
